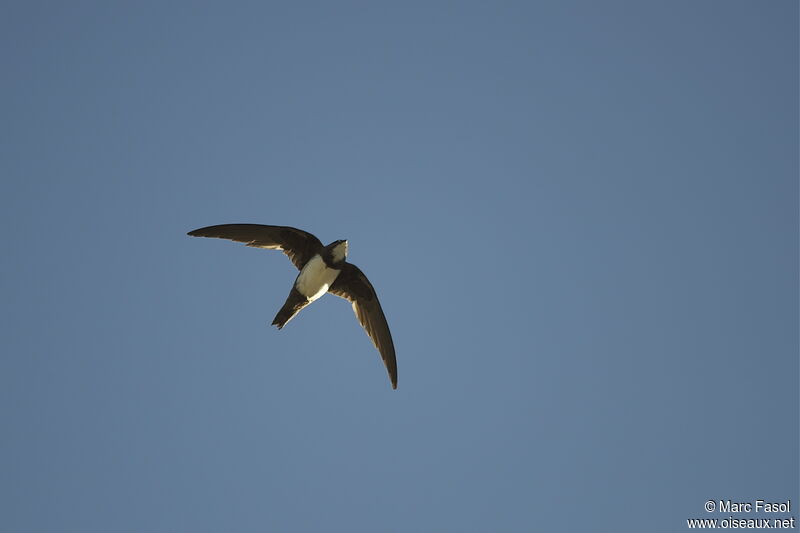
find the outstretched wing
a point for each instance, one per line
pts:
(353, 285)
(299, 245)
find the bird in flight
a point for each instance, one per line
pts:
(322, 269)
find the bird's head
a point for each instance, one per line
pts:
(337, 251)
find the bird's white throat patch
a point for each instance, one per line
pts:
(316, 277)
(339, 252)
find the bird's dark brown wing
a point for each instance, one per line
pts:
(299, 245)
(353, 285)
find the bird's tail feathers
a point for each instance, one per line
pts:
(294, 303)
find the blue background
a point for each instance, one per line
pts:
(581, 219)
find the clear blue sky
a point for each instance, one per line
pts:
(581, 219)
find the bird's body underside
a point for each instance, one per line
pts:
(315, 278)
(322, 269)
(312, 282)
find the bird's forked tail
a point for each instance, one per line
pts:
(294, 303)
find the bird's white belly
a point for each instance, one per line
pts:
(315, 278)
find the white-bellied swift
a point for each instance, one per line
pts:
(322, 269)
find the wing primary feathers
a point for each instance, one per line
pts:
(298, 245)
(353, 286)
